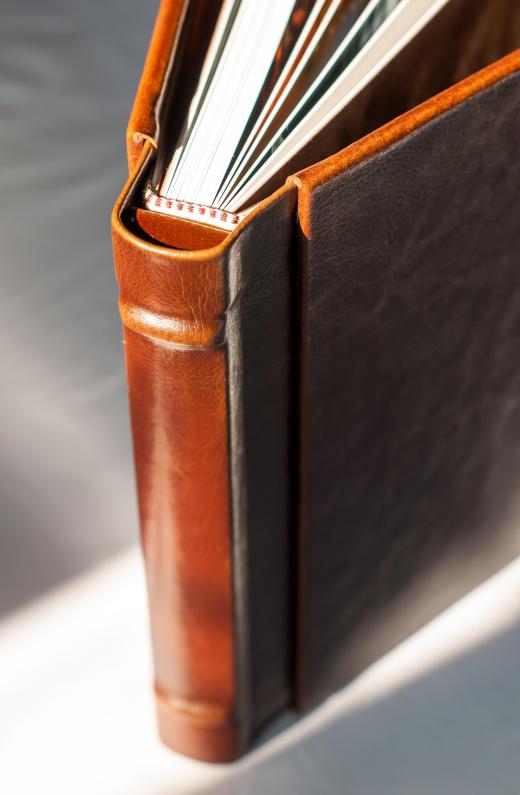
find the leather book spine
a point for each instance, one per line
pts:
(172, 305)
(207, 344)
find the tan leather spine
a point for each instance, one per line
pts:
(311, 178)
(171, 304)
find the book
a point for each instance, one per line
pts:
(316, 257)
(274, 75)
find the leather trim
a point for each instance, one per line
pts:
(178, 332)
(203, 731)
(311, 178)
(143, 123)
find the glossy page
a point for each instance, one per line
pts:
(274, 75)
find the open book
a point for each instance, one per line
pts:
(325, 401)
(272, 76)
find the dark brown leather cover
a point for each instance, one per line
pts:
(410, 377)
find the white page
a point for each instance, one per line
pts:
(253, 40)
(200, 171)
(210, 63)
(242, 174)
(266, 115)
(403, 24)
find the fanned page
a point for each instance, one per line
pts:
(275, 74)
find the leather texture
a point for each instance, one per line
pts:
(260, 323)
(325, 418)
(176, 370)
(177, 232)
(212, 475)
(410, 385)
(143, 125)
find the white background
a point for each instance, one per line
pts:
(438, 716)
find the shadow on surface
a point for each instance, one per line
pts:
(69, 71)
(455, 731)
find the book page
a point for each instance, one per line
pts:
(275, 74)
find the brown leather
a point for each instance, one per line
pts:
(410, 383)
(178, 232)
(312, 177)
(184, 346)
(143, 124)
(274, 378)
(171, 306)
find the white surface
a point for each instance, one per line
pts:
(68, 74)
(438, 716)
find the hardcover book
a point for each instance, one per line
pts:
(317, 256)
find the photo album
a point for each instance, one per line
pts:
(317, 259)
